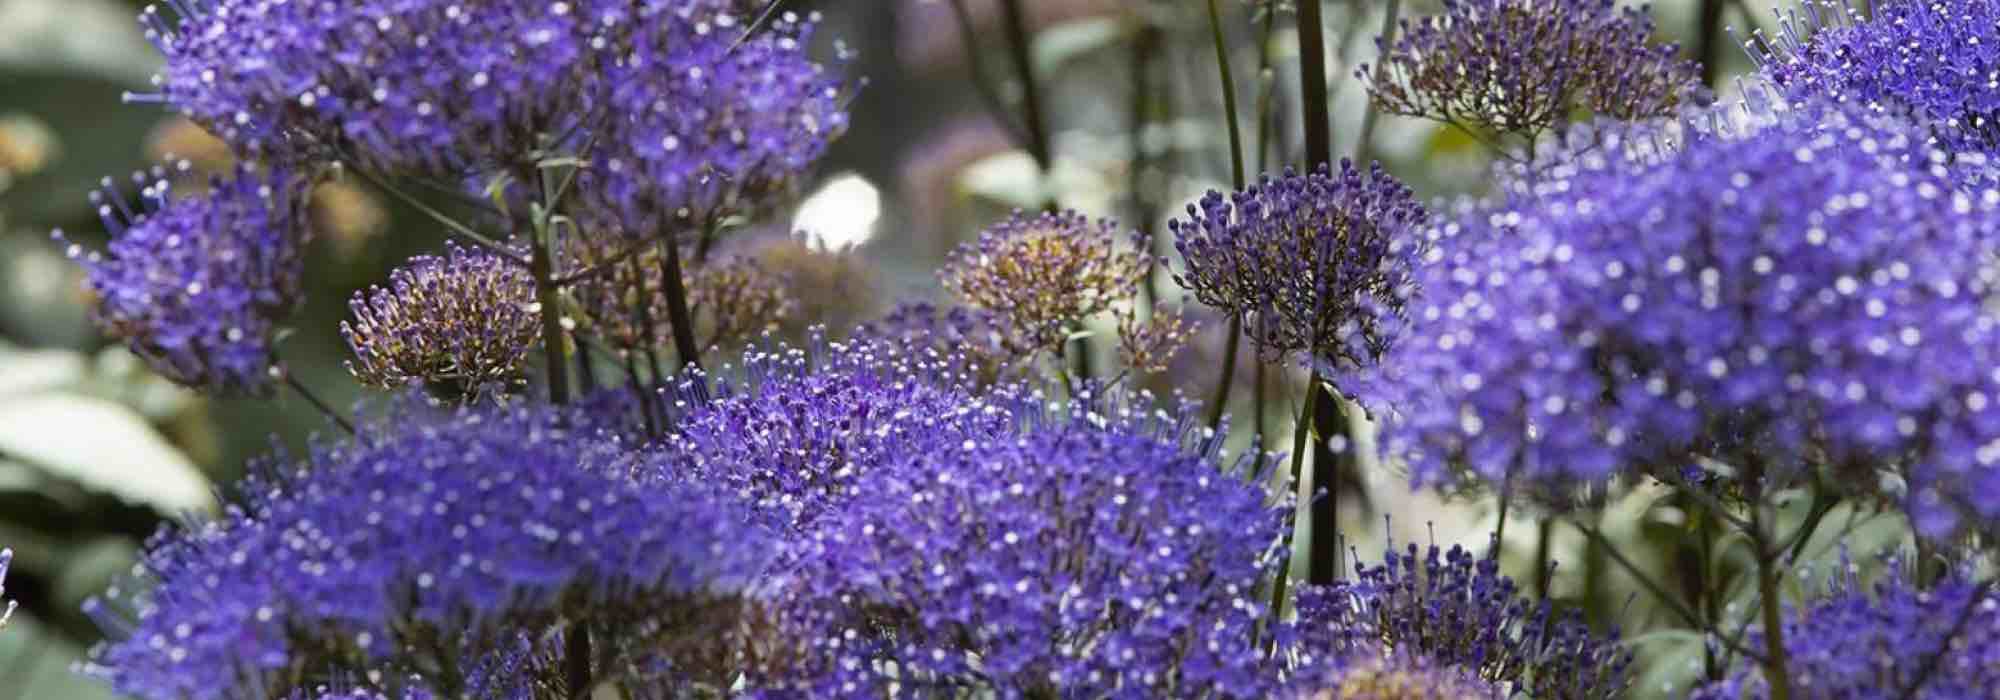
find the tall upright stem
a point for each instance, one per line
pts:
(1237, 177)
(1709, 39)
(1312, 85)
(677, 304)
(1299, 439)
(1776, 674)
(541, 266)
(1031, 94)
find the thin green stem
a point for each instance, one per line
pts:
(678, 315)
(1237, 177)
(1300, 434)
(1658, 592)
(541, 267)
(1364, 139)
(1776, 673)
(299, 388)
(1031, 94)
(456, 227)
(1312, 84)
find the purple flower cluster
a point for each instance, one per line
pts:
(1937, 60)
(467, 319)
(703, 123)
(197, 284)
(1069, 560)
(1320, 264)
(1896, 642)
(431, 539)
(1809, 290)
(439, 87)
(1450, 609)
(1526, 66)
(805, 430)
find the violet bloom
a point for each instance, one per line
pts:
(428, 539)
(197, 285)
(1318, 265)
(702, 122)
(433, 87)
(1936, 60)
(1875, 643)
(466, 320)
(1808, 293)
(805, 432)
(1452, 610)
(1526, 66)
(1065, 561)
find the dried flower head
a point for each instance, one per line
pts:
(1068, 560)
(732, 298)
(197, 285)
(1149, 345)
(832, 288)
(432, 538)
(1936, 60)
(1808, 294)
(1894, 641)
(1524, 66)
(1451, 609)
(1376, 674)
(1042, 276)
(466, 320)
(1315, 264)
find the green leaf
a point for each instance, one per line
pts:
(104, 447)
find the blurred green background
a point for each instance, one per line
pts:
(95, 452)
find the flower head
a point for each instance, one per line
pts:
(1937, 60)
(1454, 610)
(805, 430)
(706, 121)
(1319, 264)
(1068, 560)
(1857, 644)
(1374, 674)
(197, 285)
(1041, 276)
(1811, 290)
(437, 87)
(520, 526)
(467, 318)
(1525, 66)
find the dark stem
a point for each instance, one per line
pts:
(977, 67)
(1709, 40)
(1300, 433)
(1329, 419)
(1222, 385)
(1543, 534)
(576, 661)
(1312, 85)
(1031, 97)
(1144, 48)
(678, 316)
(1776, 674)
(541, 266)
(314, 399)
(1257, 399)
(1603, 544)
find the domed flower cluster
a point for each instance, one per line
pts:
(197, 285)
(1526, 66)
(1897, 642)
(1810, 290)
(1067, 561)
(1319, 264)
(1453, 610)
(703, 122)
(439, 87)
(433, 539)
(1040, 277)
(466, 319)
(1936, 60)
(803, 433)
